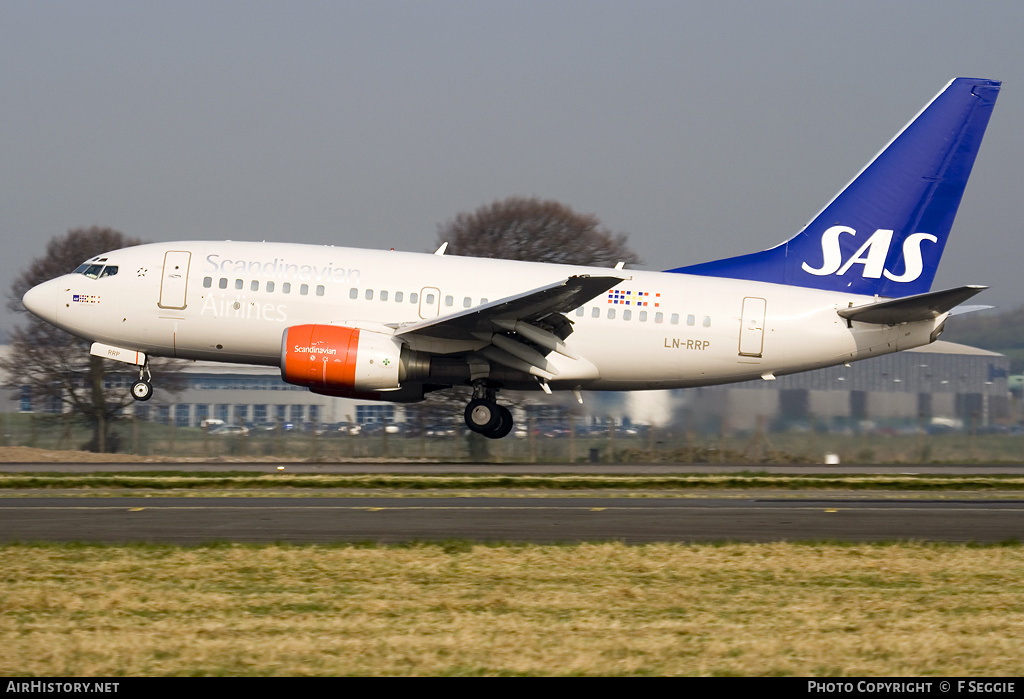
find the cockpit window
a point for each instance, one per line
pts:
(95, 271)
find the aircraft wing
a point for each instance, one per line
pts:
(911, 308)
(509, 331)
(530, 306)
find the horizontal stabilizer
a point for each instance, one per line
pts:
(964, 310)
(912, 308)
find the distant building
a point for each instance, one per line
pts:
(943, 380)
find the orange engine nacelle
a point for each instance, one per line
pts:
(339, 358)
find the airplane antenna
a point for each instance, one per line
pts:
(440, 250)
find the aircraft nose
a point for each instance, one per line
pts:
(41, 300)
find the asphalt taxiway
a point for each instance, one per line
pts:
(525, 516)
(195, 520)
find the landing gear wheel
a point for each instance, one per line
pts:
(142, 390)
(483, 416)
(505, 426)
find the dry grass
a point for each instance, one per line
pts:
(538, 610)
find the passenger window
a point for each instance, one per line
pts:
(383, 296)
(429, 299)
(304, 289)
(369, 295)
(707, 321)
(691, 320)
(353, 293)
(611, 314)
(414, 298)
(580, 311)
(207, 282)
(270, 286)
(223, 283)
(467, 302)
(320, 289)
(643, 316)
(675, 319)
(449, 301)
(286, 287)
(627, 314)
(239, 284)
(398, 297)
(596, 313)
(254, 286)
(658, 317)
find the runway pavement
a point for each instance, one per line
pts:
(194, 520)
(755, 516)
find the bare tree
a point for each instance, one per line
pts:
(57, 367)
(535, 230)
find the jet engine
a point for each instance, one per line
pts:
(340, 358)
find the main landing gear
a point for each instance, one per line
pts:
(143, 388)
(485, 416)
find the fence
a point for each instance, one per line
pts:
(531, 444)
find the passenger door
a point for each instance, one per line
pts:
(174, 282)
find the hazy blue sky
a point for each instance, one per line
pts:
(702, 129)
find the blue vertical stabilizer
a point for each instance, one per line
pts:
(885, 232)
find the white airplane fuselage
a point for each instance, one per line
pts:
(231, 302)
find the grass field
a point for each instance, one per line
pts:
(812, 609)
(463, 609)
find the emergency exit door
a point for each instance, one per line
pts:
(430, 302)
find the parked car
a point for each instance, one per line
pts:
(225, 430)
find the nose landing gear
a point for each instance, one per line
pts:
(143, 388)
